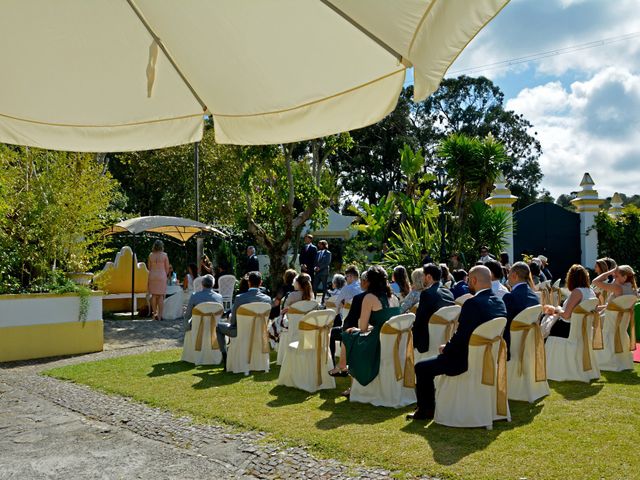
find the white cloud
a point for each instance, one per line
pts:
(593, 126)
(530, 27)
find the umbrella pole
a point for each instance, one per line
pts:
(133, 275)
(196, 164)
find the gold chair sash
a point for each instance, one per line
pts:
(257, 318)
(330, 305)
(322, 345)
(489, 365)
(538, 342)
(213, 322)
(586, 355)
(452, 325)
(295, 311)
(409, 371)
(632, 326)
(414, 309)
(546, 296)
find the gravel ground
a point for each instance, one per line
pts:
(54, 429)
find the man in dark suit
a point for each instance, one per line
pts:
(432, 298)
(323, 262)
(520, 297)
(308, 256)
(453, 359)
(230, 328)
(252, 264)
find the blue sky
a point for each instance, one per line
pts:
(584, 105)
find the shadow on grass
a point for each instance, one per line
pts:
(576, 390)
(169, 368)
(628, 377)
(216, 376)
(450, 445)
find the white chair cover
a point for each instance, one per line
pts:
(331, 303)
(471, 399)
(573, 358)
(616, 354)
(395, 384)
(345, 310)
(226, 286)
(249, 350)
(197, 284)
(442, 325)
(463, 298)
(200, 345)
(290, 334)
(526, 371)
(307, 362)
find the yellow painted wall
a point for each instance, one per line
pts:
(49, 340)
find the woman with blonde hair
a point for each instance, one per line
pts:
(557, 323)
(417, 286)
(158, 266)
(624, 282)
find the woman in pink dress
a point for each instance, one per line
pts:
(158, 270)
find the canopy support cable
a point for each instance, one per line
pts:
(373, 37)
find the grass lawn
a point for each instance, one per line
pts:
(581, 431)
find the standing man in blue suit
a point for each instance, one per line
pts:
(308, 256)
(521, 296)
(454, 357)
(323, 262)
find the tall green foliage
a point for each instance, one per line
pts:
(619, 238)
(54, 208)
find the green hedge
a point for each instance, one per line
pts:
(619, 238)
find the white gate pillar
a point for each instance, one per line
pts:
(501, 198)
(587, 205)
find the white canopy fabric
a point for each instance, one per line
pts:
(179, 228)
(119, 75)
(338, 226)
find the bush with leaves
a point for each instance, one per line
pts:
(619, 238)
(59, 206)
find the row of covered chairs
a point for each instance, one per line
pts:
(475, 398)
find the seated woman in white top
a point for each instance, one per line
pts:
(624, 282)
(560, 317)
(417, 286)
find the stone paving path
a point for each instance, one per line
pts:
(54, 429)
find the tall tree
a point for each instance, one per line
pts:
(475, 107)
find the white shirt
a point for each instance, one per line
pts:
(498, 288)
(348, 292)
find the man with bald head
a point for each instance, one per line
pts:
(453, 358)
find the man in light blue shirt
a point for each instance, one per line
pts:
(205, 295)
(351, 289)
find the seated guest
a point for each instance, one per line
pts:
(460, 287)
(378, 306)
(205, 295)
(536, 277)
(192, 274)
(337, 283)
(545, 267)
(351, 320)
(496, 278)
(400, 285)
(485, 256)
(453, 359)
(557, 323)
(432, 298)
(285, 289)
(253, 294)
(455, 262)
(624, 282)
(445, 276)
(426, 258)
(301, 291)
(504, 261)
(417, 287)
(521, 296)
